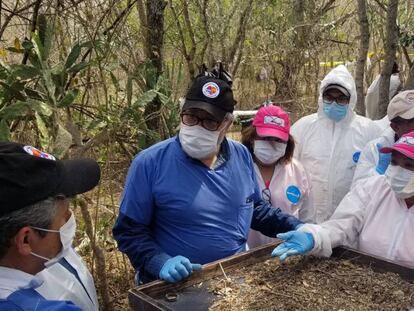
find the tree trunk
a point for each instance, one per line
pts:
(409, 85)
(153, 51)
(237, 47)
(362, 55)
(390, 50)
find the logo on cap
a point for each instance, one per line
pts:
(410, 98)
(274, 120)
(37, 153)
(406, 140)
(211, 90)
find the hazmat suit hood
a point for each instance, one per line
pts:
(341, 76)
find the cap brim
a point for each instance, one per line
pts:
(272, 132)
(337, 87)
(400, 148)
(406, 115)
(78, 176)
(211, 109)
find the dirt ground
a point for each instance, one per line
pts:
(312, 284)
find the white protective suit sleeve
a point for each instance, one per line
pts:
(368, 160)
(372, 96)
(343, 228)
(383, 123)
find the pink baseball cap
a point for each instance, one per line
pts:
(405, 145)
(272, 121)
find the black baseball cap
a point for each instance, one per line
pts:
(212, 95)
(28, 176)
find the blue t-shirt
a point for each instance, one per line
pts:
(188, 209)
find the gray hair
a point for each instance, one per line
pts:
(40, 215)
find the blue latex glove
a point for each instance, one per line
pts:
(383, 161)
(177, 268)
(295, 243)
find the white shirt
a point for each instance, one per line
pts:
(61, 284)
(372, 219)
(12, 280)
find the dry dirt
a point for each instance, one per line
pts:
(312, 284)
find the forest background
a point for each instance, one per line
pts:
(104, 78)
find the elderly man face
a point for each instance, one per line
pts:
(31, 235)
(46, 243)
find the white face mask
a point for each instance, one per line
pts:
(198, 142)
(269, 152)
(67, 234)
(401, 181)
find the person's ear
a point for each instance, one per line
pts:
(229, 120)
(23, 240)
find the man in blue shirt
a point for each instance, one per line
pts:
(36, 225)
(192, 199)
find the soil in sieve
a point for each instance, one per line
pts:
(310, 283)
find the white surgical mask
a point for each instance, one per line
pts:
(269, 152)
(401, 181)
(198, 142)
(67, 234)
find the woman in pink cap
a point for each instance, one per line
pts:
(376, 216)
(281, 178)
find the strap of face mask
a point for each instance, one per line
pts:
(42, 229)
(40, 256)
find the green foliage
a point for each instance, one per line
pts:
(40, 89)
(407, 40)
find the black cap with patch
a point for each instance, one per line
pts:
(212, 95)
(28, 176)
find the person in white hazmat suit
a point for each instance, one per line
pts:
(330, 141)
(375, 217)
(372, 97)
(401, 113)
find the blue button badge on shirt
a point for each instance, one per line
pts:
(293, 194)
(355, 156)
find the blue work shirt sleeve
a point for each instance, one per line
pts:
(270, 220)
(132, 228)
(134, 239)
(267, 219)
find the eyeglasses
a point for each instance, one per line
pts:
(266, 196)
(340, 100)
(191, 120)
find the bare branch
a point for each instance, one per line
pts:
(362, 55)
(390, 50)
(381, 5)
(32, 27)
(241, 32)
